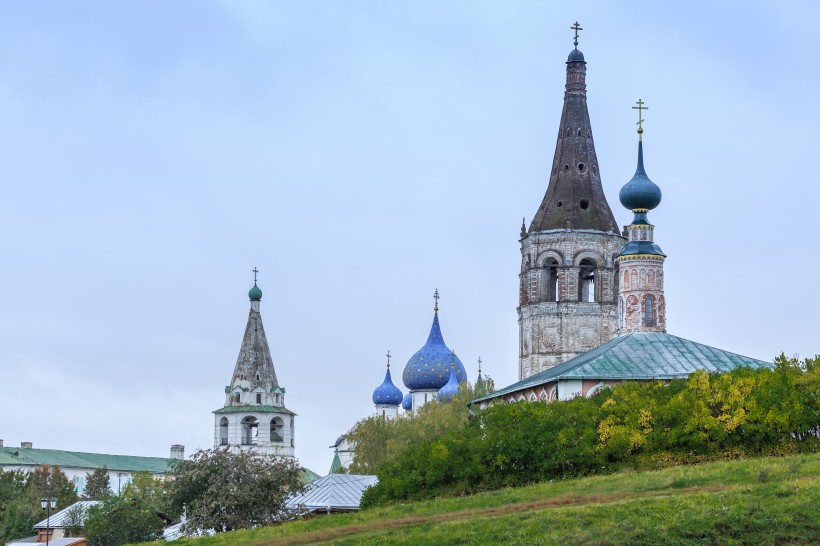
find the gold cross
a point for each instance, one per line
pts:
(435, 296)
(640, 108)
(576, 27)
(255, 271)
(388, 359)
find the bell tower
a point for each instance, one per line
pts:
(641, 302)
(568, 280)
(254, 417)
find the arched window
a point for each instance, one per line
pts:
(587, 274)
(277, 430)
(258, 398)
(236, 397)
(250, 431)
(620, 312)
(223, 431)
(549, 280)
(649, 311)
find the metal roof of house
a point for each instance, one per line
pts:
(20, 456)
(638, 356)
(53, 542)
(334, 492)
(58, 519)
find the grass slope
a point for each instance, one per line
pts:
(753, 501)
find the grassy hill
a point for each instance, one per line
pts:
(752, 501)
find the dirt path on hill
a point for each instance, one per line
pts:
(335, 533)
(318, 537)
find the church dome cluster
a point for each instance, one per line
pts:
(433, 372)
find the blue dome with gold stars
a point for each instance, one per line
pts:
(451, 388)
(407, 403)
(387, 394)
(429, 368)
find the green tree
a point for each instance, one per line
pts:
(97, 484)
(122, 520)
(20, 494)
(151, 490)
(377, 440)
(222, 490)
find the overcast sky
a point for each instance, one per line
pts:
(362, 154)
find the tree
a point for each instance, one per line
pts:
(122, 520)
(150, 490)
(97, 484)
(377, 440)
(222, 490)
(20, 494)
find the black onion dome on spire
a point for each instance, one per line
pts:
(640, 192)
(575, 55)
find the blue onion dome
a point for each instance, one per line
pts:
(407, 403)
(429, 368)
(575, 55)
(451, 388)
(640, 192)
(255, 293)
(387, 394)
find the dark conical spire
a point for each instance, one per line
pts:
(575, 198)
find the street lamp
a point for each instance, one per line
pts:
(48, 504)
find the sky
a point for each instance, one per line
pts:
(362, 154)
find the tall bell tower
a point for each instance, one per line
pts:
(254, 417)
(568, 280)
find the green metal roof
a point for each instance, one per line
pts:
(309, 476)
(18, 456)
(336, 464)
(638, 356)
(254, 409)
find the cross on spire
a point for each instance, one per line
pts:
(479, 365)
(255, 271)
(640, 108)
(576, 27)
(388, 359)
(435, 297)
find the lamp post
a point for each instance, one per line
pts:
(49, 505)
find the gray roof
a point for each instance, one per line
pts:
(638, 356)
(334, 492)
(58, 519)
(52, 542)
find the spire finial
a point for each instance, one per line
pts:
(640, 108)
(435, 297)
(388, 359)
(479, 365)
(523, 227)
(576, 27)
(255, 271)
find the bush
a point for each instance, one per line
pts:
(647, 425)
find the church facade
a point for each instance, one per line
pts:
(592, 310)
(254, 417)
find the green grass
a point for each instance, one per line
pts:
(772, 500)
